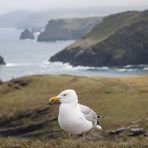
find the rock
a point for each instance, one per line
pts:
(133, 125)
(26, 34)
(121, 39)
(54, 134)
(68, 29)
(22, 129)
(117, 131)
(137, 121)
(146, 133)
(1, 82)
(136, 132)
(26, 123)
(2, 62)
(17, 83)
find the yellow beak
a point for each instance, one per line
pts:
(54, 100)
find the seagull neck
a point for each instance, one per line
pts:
(67, 109)
(72, 104)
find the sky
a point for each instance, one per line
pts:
(12, 5)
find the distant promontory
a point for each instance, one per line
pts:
(26, 34)
(121, 39)
(68, 29)
(2, 62)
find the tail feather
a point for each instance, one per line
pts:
(98, 127)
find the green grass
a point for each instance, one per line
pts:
(27, 143)
(120, 100)
(106, 28)
(112, 23)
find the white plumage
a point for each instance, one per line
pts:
(73, 117)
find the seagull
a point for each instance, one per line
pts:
(73, 117)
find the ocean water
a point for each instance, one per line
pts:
(28, 57)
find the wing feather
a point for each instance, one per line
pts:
(89, 114)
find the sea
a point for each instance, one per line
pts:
(29, 57)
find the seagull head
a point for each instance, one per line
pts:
(66, 96)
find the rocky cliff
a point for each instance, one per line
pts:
(120, 39)
(2, 62)
(68, 29)
(26, 34)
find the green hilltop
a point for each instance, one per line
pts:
(25, 113)
(111, 24)
(24, 109)
(121, 39)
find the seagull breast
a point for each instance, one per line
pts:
(72, 120)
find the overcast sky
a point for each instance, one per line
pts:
(10, 5)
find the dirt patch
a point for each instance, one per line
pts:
(28, 123)
(18, 83)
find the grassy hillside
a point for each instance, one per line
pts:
(99, 93)
(121, 39)
(24, 109)
(68, 29)
(109, 25)
(112, 23)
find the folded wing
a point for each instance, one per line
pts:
(89, 114)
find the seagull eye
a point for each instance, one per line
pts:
(64, 94)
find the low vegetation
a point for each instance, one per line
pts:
(27, 143)
(25, 113)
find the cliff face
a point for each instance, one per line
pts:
(2, 62)
(26, 34)
(68, 29)
(121, 39)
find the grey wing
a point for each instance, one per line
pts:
(89, 114)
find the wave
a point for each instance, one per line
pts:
(128, 68)
(46, 66)
(11, 65)
(121, 70)
(18, 65)
(145, 68)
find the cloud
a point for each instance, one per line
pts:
(9, 5)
